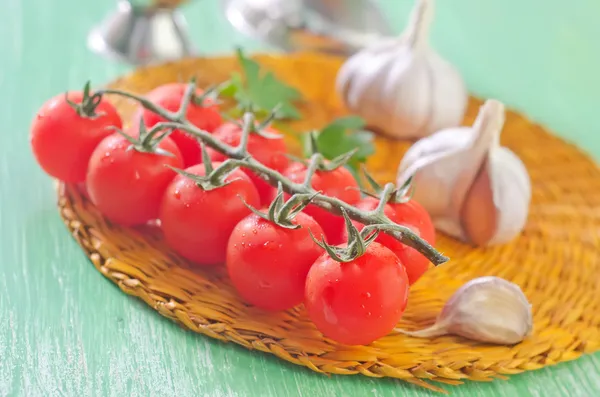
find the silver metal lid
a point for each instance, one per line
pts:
(141, 33)
(334, 26)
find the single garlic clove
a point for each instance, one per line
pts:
(486, 309)
(479, 214)
(511, 187)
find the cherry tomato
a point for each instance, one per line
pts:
(63, 141)
(197, 223)
(206, 117)
(412, 215)
(127, 185)
(268, 264)
(268, 151)
(357, 302)
(338, 183)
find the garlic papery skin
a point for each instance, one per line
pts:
(401, 86)
(473, 188)
(486, 309)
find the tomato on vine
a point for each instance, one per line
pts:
(338, 183)
(66, 130)
(269, 254)
(412, 215)
(127, 176)
(267, 146)
(198, 213)
(403, 211)
(201, 112)
(358, 299)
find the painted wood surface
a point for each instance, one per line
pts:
(66, 331)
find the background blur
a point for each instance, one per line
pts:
(541, 56)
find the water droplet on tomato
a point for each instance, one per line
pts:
(243, 244)
(177, 194)
(254, 231)
(187, 205)
(362, 306)
(367, 295)
(137, 176)
(266, 244)
(243, 234)
(264, 284)
(107, 157)
(368, 314)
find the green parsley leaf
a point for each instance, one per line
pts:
(261, 93)
(341, 136)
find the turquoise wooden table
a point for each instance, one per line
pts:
(67, 331)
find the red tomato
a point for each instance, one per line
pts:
(268, 264)
(127, 185)
(412, 215)
(268, 151)
(338, 183)
(357, 302)
(197, 223)
(62, 141)
(206, 117)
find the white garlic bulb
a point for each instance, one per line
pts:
(401, 86)
(486, 309)
(473, 188)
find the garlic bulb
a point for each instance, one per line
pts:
(473, 188)
(401, 87)
(486, 309)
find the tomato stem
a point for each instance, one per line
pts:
(260, 128)
(213, 179)
(210, 94)
(323, 165)
(357, 242)
(218, 175)
(374, 221)
(206, 160)
(282, 213)
(146, 142)
(384, 198)
(400, 195)
(313, 165)
(89, 103)
(247, 127)
(188, 94)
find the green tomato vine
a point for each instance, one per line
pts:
(375, 221)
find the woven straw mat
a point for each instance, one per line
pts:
(555, 260)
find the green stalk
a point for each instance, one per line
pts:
(375, 220)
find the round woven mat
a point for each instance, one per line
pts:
(556, 260)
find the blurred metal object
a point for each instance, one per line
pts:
(142, 32)
(334, 26)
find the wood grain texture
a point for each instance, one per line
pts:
(66, 331)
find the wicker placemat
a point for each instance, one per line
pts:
(555, 261)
